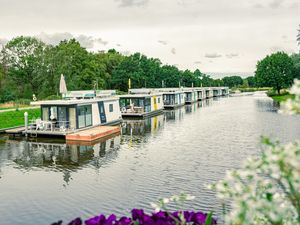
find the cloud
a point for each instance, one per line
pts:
(173, 51)
(131, 3)
(212, 55)
(55, 38)
(232, 55)
(127, 53)
(162, 42)
(84, 40)
(275, 48)
(101, 41)
(197, 62)
(275, 4)
(119, 45)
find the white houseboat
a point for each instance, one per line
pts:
(190, 95)
(208, 92)
(172, 97)
(200, 94)
(141, 103)
(77, 111)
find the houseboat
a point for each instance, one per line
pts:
(225, 91)
(172, 97)
(78, 110)
(190, 95)
(141, 103)
(200, 93)
(208, 92)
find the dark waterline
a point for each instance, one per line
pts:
(42, 181)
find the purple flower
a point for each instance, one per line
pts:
(97, 220)
(77, 221)
(124, 221)
(138, 216)
(57, 223)
(188, 216)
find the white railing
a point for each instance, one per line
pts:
(50, 126)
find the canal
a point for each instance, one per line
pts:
(42, 181)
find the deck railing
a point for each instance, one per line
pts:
(49, 126)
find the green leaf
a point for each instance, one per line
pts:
(208, 220)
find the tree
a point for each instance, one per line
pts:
(251, 81)
(232, 81)
(24, 57)
(275, 71)
(296, 60)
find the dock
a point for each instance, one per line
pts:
(93, 134)
(17, 131)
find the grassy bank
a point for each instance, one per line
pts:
(248, 89)
(282, 98)
(16, 118)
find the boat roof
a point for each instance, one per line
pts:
(74, 101)
(140, 95)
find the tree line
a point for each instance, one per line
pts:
(29, 66)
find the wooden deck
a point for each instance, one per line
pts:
(93, 133)
(15, 131)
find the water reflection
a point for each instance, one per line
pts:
(182, 150)
(176, 114)
(142, 126)
(63, 157)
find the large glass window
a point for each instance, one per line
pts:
(147, 104)
(84, 116)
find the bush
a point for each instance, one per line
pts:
(53, 97)
(7, 96)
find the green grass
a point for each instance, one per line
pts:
(16, 118)
(282, 98)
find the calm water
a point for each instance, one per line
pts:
(182, 150)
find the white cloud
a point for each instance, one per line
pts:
(232, 55)
(212, 55)
(130, 3)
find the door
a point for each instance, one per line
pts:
(72, 118)
(102, 112)
(62, 117)
(155, 104)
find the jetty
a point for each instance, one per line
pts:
(92, 134)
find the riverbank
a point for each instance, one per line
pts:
(234, 90)
(16, 118)
(282, 98)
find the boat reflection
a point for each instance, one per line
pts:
(60, 156)
(142, 127)
(176, 114)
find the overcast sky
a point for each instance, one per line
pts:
(212, 35)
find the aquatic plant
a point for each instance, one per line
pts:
(266, 190)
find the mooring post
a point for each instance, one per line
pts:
(26, 122)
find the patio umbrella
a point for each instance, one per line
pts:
(62, 85)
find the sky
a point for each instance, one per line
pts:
(215, 36)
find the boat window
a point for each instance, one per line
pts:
(45, 113)
(53, 113)
(111, 107)
(158, 100)
(84, 116)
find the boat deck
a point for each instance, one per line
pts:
(17, 131)
(93, 133)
